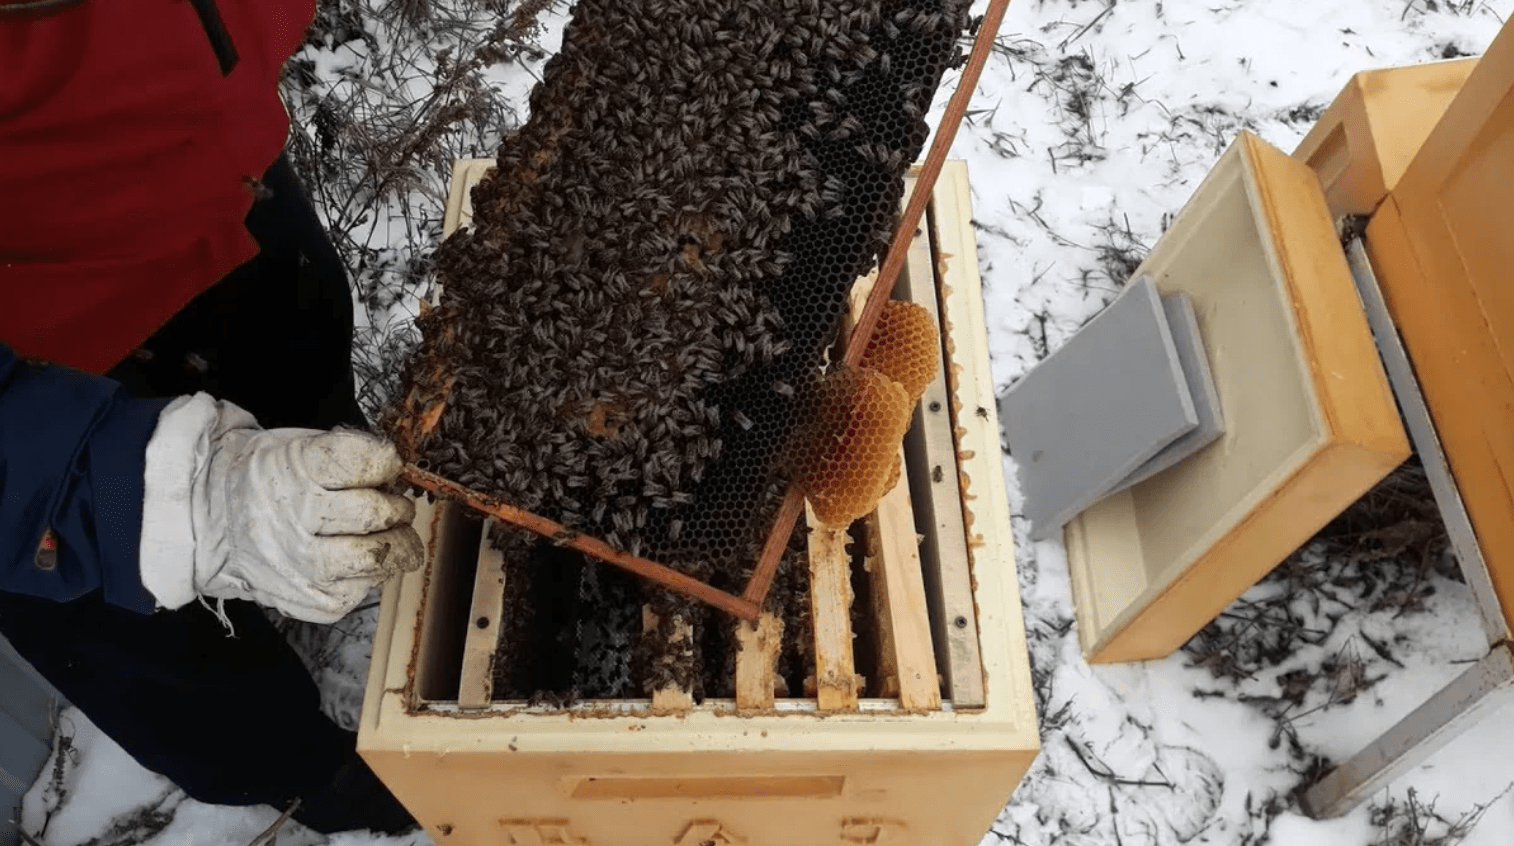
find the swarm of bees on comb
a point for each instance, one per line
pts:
(632, 336)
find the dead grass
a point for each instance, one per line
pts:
(65, 757)
(1382, 554)
(1120, 251)
(1460, 8)
(1410, 822)
(389, 95)
(142, 825)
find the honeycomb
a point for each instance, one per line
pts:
(904, 346)
(630, 332)
(846, 455)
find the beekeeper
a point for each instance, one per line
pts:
(175, 337)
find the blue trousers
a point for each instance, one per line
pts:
(230, 720)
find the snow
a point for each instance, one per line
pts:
(91, 766)
(1085, 144)
(1090, 128)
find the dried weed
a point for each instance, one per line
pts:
(1410, 822)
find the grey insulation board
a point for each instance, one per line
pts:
(1184, 325)
(21, 758)
(1099, 407)
(24, 694)
(26, 703)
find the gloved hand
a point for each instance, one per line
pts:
(288, 518)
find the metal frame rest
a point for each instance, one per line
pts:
(1484, 686)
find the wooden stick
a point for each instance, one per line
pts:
(935, 488)
(772, 550)
(904, 638)
(270, 834)
(902, 595)
(898, 250)
(558, 533)
(925, 182)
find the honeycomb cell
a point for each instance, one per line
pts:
(904, 346)
(846, 455)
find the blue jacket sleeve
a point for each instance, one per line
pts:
(72, 450)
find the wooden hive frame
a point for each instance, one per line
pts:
(746, 606)
(830, 766)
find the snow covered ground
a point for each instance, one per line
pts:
(1092, 124)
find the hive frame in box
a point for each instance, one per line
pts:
(787, 772)
(747, 605)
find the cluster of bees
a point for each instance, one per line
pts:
(660, 259)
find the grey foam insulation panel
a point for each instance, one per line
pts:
(26, 705)
(1097, 409)
(1184, 325)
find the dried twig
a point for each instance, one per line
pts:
(1107, 774)
(1086, 27)
(374, 144)
(1415, 823)
(270, 835)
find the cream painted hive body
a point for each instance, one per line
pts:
(929, 766)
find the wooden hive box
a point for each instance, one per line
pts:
(1440, 246)
(929, 761)
(1362, 144)
(1310, 421)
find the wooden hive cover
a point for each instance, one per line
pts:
(1440, 245)
(1310, 421)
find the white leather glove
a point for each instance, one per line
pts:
(288, 518)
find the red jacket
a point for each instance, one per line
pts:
(127, 163)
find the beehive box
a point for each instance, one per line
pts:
(1362, 144)
(1440, 247)
(1310, 421)
(924, 753)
